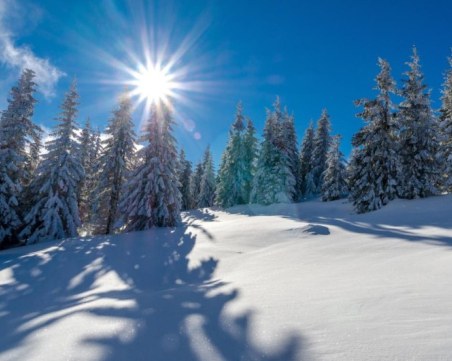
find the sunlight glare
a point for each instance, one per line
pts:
(153, 84)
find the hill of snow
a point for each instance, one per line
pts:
(308, 281)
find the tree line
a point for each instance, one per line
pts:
(79, 181)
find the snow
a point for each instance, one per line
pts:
(308, 281)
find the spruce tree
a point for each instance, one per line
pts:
(274, 181)
(322, 140)
(87, 158)
(185, 173)
(17, 163)
(417, 136)
(334, 178)
(152, 197)
(445, 154)
(55, 213)
(34, 154)
(195, 185)
(290, 150)
(307, 188)
(232, 175)
(249, 159)
(114, 165)
(375, 184)
(207, 186)
(362, 193)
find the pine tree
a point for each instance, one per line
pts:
(306, 184)
(17, 133)
(274, 181)
(185, 174)
(375, 184)
(34, 153)
(114, 165)
(417, 136)
(232, 175)
(97, 148)
(322, 140)
(362, 193)
(334, 178)
(249, 159)
(85, 140)
(207, 187)
(152, 195)
(55, 213)
(445, 154)
(195, 185)
(290, 150)
(87, 158)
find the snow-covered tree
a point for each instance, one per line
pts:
(310, 187)
(97, 149)
(195, 184)
(289, 147)
(19, 143)
(322, 140)
(87, 157)
(417, 136)
(185, 173)
(375, 184)
(306, 184)
(55, 213)
(114, 165)
(445, 154)
(34, 154)
(274, 181)
(362, 192)
(152, 196)
(207, 187)
(86, 145)
(249, 158)
(232, 175)
(334, 177)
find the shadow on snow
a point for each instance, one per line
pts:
(400, 219)
(166, 310)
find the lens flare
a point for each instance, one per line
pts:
(152, 85)
(156, 62)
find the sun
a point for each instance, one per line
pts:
(152, 84)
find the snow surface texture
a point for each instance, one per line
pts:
(309, 281)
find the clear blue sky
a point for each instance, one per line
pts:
(314, 54)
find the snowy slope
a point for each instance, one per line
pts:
(309, 281)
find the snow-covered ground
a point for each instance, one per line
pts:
(309, 281)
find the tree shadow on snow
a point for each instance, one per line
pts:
(400, 219)
(163, 309)
(201, 214)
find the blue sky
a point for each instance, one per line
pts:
(313, 54)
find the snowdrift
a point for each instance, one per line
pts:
(308, 281)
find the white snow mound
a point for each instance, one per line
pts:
(308, 281)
